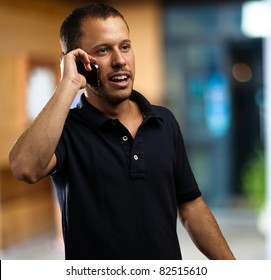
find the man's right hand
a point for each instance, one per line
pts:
(69, 70)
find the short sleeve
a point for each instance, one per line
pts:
(60, 157)
(186, 186)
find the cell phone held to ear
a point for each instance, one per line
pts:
(92, 76)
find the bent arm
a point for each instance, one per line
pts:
(32, 156)
(203, 229)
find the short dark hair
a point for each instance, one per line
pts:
(70, 31)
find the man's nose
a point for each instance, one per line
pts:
(118, 59)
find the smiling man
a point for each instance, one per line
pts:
(117, 162)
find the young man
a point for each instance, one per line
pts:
(118, 163)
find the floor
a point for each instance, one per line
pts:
(239, 227)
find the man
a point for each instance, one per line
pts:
(118, 163)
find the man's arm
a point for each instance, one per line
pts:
(203, 229)
(32, 156)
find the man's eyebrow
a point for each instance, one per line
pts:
(102, 44)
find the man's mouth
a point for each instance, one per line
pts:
(119, 78)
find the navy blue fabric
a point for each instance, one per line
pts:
(118, 194)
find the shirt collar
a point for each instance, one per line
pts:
(96, 119)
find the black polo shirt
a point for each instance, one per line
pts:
(119, 195)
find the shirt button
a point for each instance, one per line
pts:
(135, 157)
(125, 138)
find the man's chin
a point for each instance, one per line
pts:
(118, 99)
(115, 97)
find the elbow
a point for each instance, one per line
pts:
(23, 173)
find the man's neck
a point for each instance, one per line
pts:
(127, 112)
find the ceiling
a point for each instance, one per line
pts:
(51, 6)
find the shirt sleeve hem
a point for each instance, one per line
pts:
(189, 196)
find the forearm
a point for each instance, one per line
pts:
(32, 156)
(32, 153)
(203, 229)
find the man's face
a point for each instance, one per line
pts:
(109, 42)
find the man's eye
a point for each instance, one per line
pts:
(126, 47)
(103, 51)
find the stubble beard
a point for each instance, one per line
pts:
(113, 99)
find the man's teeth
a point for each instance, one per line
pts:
(120, 78)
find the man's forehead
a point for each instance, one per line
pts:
(100, 31)
(90, 22)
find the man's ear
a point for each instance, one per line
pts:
(61, 63)
(61, 56)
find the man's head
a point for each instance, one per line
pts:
(71, 32)
(103, 34)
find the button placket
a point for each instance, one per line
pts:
(137, 168)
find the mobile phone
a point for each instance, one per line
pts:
(92, 76)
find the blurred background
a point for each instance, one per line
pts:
(202, 59)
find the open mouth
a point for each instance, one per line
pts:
(119, 78)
